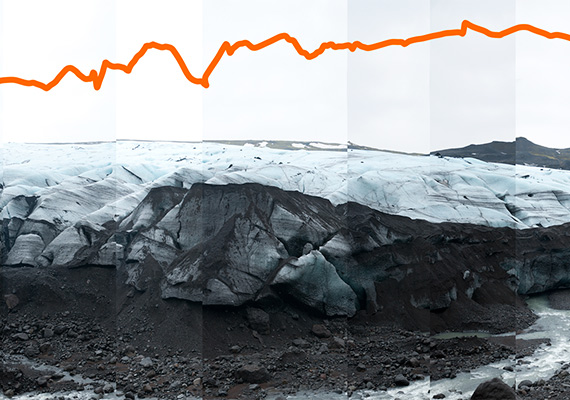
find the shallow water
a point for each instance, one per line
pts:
(454, 335)
(551, 324)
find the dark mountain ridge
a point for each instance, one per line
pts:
(521, 151)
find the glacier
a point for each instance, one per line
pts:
(101, 182)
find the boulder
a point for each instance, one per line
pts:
(293, 356)
(11, 300)
(495, 389)
(253, 374)
(146, 362)
(401, 380)
(526, 383)
(21, 336)
(321, 331)
(337, 343)
(258, 320)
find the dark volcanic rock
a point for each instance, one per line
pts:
(526, 383)
(321, 331)
(495, 389)
(253, 374)
(21, 336)
(11, 300)
(258, 320)
(400, 380)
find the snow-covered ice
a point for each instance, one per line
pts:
(105, 181)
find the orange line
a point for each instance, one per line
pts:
(226, 48)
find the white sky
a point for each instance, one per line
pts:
(445, 93)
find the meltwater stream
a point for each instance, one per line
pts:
(546, 360)
(552, 324)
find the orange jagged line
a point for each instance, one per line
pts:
(226, 48)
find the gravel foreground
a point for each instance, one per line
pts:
(136, 345)
(332, 356)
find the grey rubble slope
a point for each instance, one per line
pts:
(236, 244)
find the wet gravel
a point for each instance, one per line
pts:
(330, 355)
